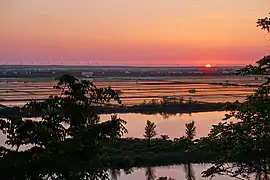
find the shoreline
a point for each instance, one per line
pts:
(135, 153)
(164, 108)
(170, 108)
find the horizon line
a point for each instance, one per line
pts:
(100, 65)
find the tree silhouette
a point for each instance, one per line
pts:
(190, 134)
(189, 171)
(164, 137)
(165, 178)
(115, 173)
(242, 148)
(150, 173)
(262, 176)
(150, 131)
(190, 130)
(68, 141)
(264, 23)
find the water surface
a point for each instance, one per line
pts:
(172, 125)
(135, 91)
(179, 172)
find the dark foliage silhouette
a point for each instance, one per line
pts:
(165, 178)
(189, 171)
(67, 142)
(164, 137)
(150, 131)
(264, 23)
(190, 130)
(243, 147)
(115, 173)
(150, 173)
(190, 134)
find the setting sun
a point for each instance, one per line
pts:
(208, 65)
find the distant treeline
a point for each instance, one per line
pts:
(147, 108)
(163, 108)
(133, 152)
(50, 72)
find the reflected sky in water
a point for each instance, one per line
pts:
(172, 125)
(177, 172)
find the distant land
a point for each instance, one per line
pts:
(52, 71)
(108, 66)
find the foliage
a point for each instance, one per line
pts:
(190, 134)
(115, 173)
(67, 142)
(242, 147)
(164, 137)
(189, 171)
(165, 178)
(169, 101)
(150, 173)
(131, 152)
(190, 130)
(150, 131)
(262, 67)
(165, 110)
(264, 23)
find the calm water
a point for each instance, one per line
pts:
(173, 126)
(136, 91)
(178, 172)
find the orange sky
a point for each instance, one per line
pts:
(127, 32)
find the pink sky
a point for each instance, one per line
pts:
(127, 32)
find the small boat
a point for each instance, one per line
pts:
(192, 91)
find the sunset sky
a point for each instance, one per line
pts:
(132, 32)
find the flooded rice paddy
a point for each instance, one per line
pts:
(135, 91)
